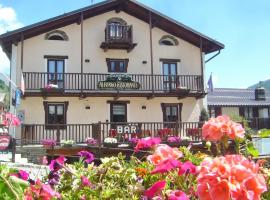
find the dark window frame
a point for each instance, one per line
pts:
(117, 66)
(179, 110)
(111, 111)
(46, 105)
(55, 59)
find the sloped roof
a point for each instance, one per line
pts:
(131, 7)
(236, 97)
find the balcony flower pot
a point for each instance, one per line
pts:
(67, 143)
(110, 142)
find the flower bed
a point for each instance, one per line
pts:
(167, 173)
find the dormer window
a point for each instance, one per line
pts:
(168, 40)
(56, 35)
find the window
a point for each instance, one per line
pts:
(56, 69)
(117, 65)
(170, 78)
(171, 112)
(55, 113)
(168, 40)
(56, 35)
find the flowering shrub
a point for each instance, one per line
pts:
(167, 173)
(48, 142)
(215, 129)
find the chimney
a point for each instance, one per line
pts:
(260, 92)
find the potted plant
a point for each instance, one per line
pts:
(110, 142)
(67, 143)
(48, 143)
(91, 141)
(173, 141)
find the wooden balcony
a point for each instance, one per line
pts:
(35, 133)
(89, 84)
(118, 37)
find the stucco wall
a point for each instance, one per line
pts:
(35, 48)
(100, 110)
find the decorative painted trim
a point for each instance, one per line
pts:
(169, 37)
(118, 20)
(56, 32)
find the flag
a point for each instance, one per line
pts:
(18, 97)
(210, 84)
(22, 85)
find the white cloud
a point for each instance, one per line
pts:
(8, 22)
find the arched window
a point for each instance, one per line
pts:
(56, 35)
(117, 27)
(168, 40)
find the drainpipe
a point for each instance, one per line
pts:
(202, 64)
(81, 54)
(151, 52)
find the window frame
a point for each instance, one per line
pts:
(55, 59)
(117, 67)
(48, 125)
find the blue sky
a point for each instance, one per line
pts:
(242, 25)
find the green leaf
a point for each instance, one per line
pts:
(252, 150)
(264, 133)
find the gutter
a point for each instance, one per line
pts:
(213, 56)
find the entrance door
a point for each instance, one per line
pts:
(118, 112)
(170, 75)
(56, 72)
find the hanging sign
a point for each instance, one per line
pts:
(118, 82)
(4, 142)
(118, 85)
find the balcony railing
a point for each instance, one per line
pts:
(35, 133)
(88, 82)
(118, 37)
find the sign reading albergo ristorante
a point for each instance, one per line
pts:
(118, 82)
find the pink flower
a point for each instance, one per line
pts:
(230, 177)
(187, 167)
(85, 181)
(57, 164)
(166, 166)
(146, 143)
(177, 195)
(155, 189)
(164, 152)
(23, 175)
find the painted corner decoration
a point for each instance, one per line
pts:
(118, 82)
